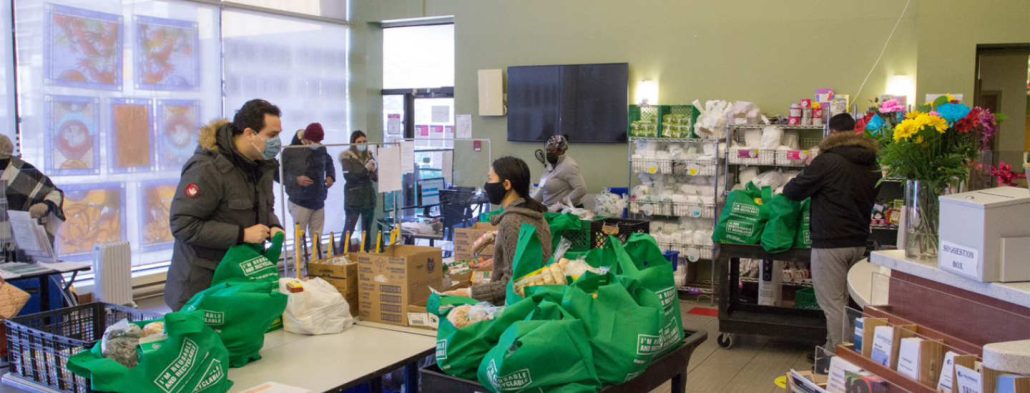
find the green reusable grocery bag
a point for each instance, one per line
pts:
(742, 219)
(804, 235)
(624, 336)
(541, 356)
(782, 228)
(653, 286)
(241, 312)
(459, 351)
(250, 262)
(192, 359)
(529, 257)
(561, 226)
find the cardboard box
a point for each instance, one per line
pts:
(465, 237)
(342, 277)
(389, 282)
(418, 317)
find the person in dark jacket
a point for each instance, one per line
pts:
(224, 198)
(842, 182)
(508, 186)
(360, 172)
(309, 173)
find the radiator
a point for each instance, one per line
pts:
(112, 270)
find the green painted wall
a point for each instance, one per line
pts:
(771, 53)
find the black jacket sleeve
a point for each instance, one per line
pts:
(811, 179)
(330, 168)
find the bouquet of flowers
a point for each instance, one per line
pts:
(938, 143)
(935, 148)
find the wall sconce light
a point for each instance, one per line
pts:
(903, 85)
(647, 92)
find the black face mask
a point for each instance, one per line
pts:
(495, 192)
(552, 158)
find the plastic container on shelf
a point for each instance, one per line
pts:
(741, 155)
(793, 158)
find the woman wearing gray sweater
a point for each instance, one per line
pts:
(508, 186)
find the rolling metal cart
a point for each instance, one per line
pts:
(736, 317)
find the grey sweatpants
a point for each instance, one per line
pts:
(310, 220)
(830, 277)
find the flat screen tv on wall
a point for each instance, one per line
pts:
(585, 102)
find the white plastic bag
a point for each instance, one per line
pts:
(319, 309)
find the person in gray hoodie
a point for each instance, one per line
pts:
(508, 186)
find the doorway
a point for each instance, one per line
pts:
(1003, 86)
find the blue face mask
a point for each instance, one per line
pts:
(362, 148)
(272, 148)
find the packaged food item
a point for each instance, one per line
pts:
(469, 314)
(152, 328)
(555, 274)
(294, 286)
(120, 341)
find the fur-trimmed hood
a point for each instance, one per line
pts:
(209, 134)
(853, 147)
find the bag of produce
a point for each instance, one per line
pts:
(624, 336)
(803, 239)
(459, 350)
(742, 219)
(250, 262)
(652, 286)
(782, 228)
(317, 308)
(541, 356)
(176, 354)
(240, 312)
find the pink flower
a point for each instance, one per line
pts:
(891, 106)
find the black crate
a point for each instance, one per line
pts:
(663, 369)
(621, 228)
(40, 344)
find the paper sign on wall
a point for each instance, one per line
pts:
(464, 127)
(393, 125)
(423, 131)
(407, 156)
(389, 169)
(441, 114)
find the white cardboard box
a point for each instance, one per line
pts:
(985, 235)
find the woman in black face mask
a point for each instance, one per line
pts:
(508, 186)
(562, 182)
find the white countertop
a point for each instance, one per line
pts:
(322, 363)
(868, 284)
(1016, 293)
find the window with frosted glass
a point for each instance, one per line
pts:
(112, 95)
(420, 56)
(301, 67)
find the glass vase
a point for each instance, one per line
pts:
(922, 212)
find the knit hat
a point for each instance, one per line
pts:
(314, 132)
(558, 142)
(6, 147)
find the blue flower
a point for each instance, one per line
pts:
(953, 112)
(875, 124)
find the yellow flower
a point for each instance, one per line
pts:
(951, 98)
(919, 139)
(911, 115)
(816, 105)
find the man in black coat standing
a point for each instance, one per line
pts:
(842, 182)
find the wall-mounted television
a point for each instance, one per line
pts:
(585, 102)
